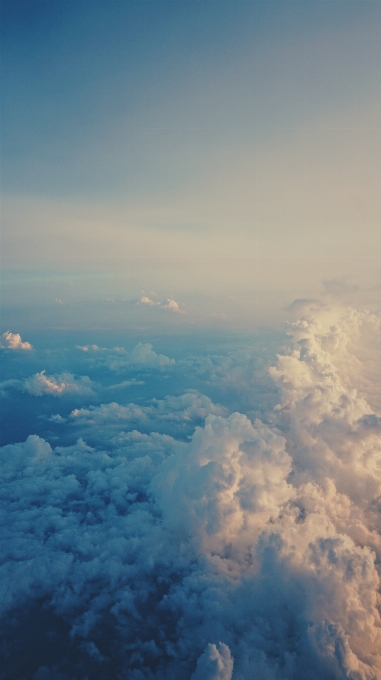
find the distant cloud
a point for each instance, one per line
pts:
(126, 383)
(65, 383)
(170, 304)
(117, 358)
(187, 408)
(143, 354)
(10, 340)
(173, 306)
(6, 385)
(147, 301)
(57, 419)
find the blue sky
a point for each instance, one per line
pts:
(206, 148)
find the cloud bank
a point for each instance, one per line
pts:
(250, 550)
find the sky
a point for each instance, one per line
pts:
(197, 150)
(190, 412)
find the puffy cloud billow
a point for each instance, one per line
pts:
(10, 340)
(60, 385)
(250, 550)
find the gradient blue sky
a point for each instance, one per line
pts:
(196, 150)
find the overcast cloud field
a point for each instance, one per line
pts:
(190, 355)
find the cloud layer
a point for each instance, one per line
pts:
(248, 550)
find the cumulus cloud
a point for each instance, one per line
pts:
(89, 348)
(114, 419)
(10, 340)
(173, 306)
(142, 356)
(250, 550)
(57, 386)
(170, 304)
(118, 359)
(144, 300)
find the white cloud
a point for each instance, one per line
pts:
(173, 306)
(58, 385)
(10, 340)
(142, 356)
(57, 418)
(88, 348)
(182, 411)
(144, 300)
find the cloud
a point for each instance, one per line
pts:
(57, 418)
(10, 340)
(173, 306)
(144, 300)
(215, 663)
(171, 412)
(126, 383)
(118, 359)
(170, 304)
(142, 356)
(59, 385)
(6, 385)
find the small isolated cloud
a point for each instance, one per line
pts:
(173, 306)
(65, 383)
(57, 418)
(126, 383)
(10, 340)
(89, 348)
(144, 300)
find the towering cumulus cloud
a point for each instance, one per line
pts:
(248, 551)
